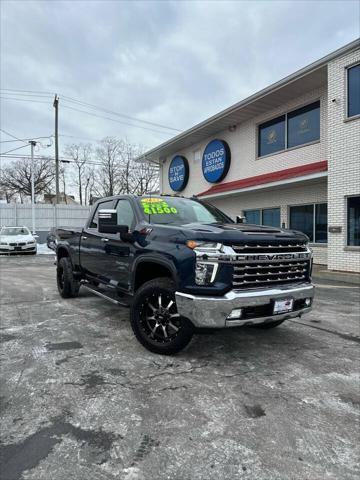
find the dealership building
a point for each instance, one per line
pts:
(287, 156)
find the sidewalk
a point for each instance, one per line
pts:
(321, 272)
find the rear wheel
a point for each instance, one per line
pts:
(267, 326)
(155, 320)
(67, 285)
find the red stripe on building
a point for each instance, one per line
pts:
(268, 178)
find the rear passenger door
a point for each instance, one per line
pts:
(92, 245)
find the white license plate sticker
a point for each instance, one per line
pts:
(283, 306)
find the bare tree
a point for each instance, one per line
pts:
(119, 171)
(80, 154)
(144, 176)
(108, 155)
(89, 184)
(16, 178)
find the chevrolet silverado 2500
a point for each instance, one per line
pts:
(181, 264)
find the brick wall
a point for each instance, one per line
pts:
(344, 164)
(279, 197)
(243, 144)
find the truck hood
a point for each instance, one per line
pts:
(235, 232)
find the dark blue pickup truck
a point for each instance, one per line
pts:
(181, 264)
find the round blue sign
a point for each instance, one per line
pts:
(216, 161)
(178, 173)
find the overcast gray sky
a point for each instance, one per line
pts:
(169, 62)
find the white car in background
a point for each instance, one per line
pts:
(17, 240)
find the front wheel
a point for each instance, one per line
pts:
(155, 320)
(67, 285)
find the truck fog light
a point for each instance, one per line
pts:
(236, 313)
(308, 302)
(205, 273)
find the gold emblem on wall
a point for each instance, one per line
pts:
(304, 125)
(271, 136)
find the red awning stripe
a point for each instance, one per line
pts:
(268, 178)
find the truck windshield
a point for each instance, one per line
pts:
(180, 211)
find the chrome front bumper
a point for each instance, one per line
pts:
(212, 312)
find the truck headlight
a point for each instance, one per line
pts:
(3, 243)
(205, 269)
(205, 273)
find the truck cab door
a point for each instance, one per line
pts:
(119, 254)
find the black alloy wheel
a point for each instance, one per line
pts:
(155, 320)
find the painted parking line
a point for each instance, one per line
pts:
(324, 285)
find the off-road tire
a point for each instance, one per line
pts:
(67, 285)
(140, 320)
(267, 326)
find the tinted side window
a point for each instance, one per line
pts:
(101, 206)
(125, 214)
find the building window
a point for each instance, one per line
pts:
(303, 125)
(299, 127)
(353, 221)
(272, 136)
(353, 91)
(269, 217)
(253, 217)
(311, 220)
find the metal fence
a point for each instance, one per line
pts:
(46, 216)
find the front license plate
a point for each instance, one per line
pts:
(18, 249)
(283, 306)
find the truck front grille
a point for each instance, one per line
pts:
(275, 265)
(269, 248)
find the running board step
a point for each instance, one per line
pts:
(97, 292)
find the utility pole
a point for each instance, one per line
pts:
(32, 143)
(57, 173)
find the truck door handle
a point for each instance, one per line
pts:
(83, 238)
(104, 239)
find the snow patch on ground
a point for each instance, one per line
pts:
(43, 249)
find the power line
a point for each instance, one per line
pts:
(81, 103)
(11, 135)
(23, 100)
(69, 99)
(25, 139)
(27, 91)
(116, 121)
(63, 160)
(13, 150)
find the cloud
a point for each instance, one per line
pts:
(173, 63)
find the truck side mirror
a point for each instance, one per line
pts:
(240, 219)
(107, 222)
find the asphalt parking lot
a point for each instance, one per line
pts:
(82, 400)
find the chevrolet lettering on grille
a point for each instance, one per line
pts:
(273, 257)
